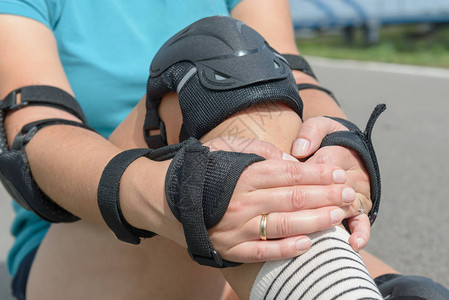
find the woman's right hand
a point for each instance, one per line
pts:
(299, 199)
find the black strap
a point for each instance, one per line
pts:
(29, 130)
(361, 143)
(299, 63)
(108, 197)
(306, 86)
(198, 186)
(201, 183)
(43, 95)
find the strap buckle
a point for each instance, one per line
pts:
(10, 101)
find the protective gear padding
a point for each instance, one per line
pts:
(15, 172)
(218, 66)
(18, 180)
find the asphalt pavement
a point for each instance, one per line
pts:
(412, 144)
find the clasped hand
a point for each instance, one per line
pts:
(299, 197)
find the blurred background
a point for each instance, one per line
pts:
(367, 52)
(401, 31)
(394, 52)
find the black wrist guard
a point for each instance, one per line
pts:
(199, 185)
(361, 143)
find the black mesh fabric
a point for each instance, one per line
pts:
(18, 179)
(223, 172)
(198, 187)
(203, 108)
(361, 143)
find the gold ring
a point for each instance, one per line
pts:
(263, 227)
(361, 209)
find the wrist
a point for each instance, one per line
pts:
(142, 198)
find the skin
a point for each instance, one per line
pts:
(121, 271)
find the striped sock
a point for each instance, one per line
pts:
(329, 270)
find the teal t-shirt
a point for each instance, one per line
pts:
(106, 47)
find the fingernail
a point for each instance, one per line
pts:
(303, 244)
(348, 195)
(339, 176)
(300, 147)
(336, 216)
(286, 156)
(360, 243)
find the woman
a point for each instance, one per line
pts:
(80, 50)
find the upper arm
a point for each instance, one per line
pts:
(29, 56)
(272, 19)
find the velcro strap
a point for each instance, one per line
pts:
(299, 63)
(29, 130)
(307, 86)
(108, 197)
(361, 143)
(201, 183)
(109, 190)
(198, 186)
(43, 95)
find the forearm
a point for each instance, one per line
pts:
(67, 163)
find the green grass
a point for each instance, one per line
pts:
(405, 44)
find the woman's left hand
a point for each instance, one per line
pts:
(309, 138)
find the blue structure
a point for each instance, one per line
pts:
(370, 14)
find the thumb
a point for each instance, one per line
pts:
(311, 134)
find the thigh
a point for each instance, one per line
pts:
(85, 261)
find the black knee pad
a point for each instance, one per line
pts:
(218, 66)
(401, 287)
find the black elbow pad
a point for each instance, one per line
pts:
(15, 172)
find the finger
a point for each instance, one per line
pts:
(258, 251)
(348, 160)
(311, 134)
(337, 156)
(360, 231)
(276, 173)
(282, 225)
(300, 197)
(362, 205)
(262, 148)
